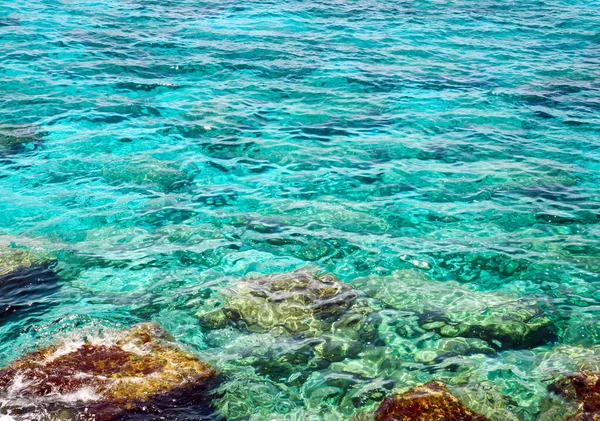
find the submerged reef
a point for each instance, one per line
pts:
(295, 303)
(429, 402)
(139, 370)
(453, 310)
(27, 279)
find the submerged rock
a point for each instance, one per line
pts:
(157, 173)
(429, 402)
(488, 400)
(452, 310)
(582, 389)
(298, 302)
(27, 279)
(14, 138)
(140, 370)
(451, 347)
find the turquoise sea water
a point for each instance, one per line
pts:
(160, 151)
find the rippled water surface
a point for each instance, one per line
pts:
(159, 151)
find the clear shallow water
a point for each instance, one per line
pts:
(162, 149)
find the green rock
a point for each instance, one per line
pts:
(453, 310)
(295, 303)
(12, 259)
(14, 136)
(487, 400)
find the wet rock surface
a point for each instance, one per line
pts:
(138, 371)
(429, 402)
(452, 310)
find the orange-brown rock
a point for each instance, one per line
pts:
(136, 369)
(429, 402)
(583, 389)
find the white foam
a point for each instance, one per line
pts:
(85, 394)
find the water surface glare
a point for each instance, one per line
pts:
(441, 158)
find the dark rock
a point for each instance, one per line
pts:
(15, 138)
(27, 281)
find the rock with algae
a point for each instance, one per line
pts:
(299, 302)
(429, 402)
(453, 310)
(139, 370)
(13, 259)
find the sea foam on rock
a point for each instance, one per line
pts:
(138, 370)
(453, 310)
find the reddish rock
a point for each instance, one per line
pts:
(582, 389)
(429, 402)
(139, 370)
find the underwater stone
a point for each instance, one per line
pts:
(453, 310)
(13, 259)
(139, 370)
(16, 137)
(583, 389)
(27, 279)
(298, 302)
(429, 402)
(146, 173)
(346, 392)
(487, 400)
(451, 347)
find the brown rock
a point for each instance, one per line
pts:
(140, 370)
(583, 389)
(429, 402)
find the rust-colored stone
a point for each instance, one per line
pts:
(135, 371)
(583, 389)
(429, 402)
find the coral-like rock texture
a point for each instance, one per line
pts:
(583, 389)
(139, 370)
(429, 402)
(298, 302)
